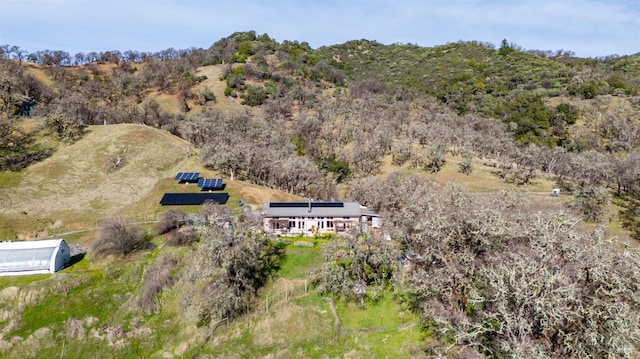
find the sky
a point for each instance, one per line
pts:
(589, 28)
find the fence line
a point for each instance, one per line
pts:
(84, 227)
(290, 292)
(216, 325)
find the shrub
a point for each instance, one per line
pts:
(183, 237)
(255, 96)
(229, 92)
(116, 236)
(589, 90)
(567, 112)
(170, 220)
(156, 278)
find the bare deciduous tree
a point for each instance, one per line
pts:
(170, 220)
(117, 236)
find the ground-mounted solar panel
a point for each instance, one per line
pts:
(187, 176)
(198, 198)
(210, 183)
(306, 204)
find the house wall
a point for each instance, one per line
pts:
(308, 225)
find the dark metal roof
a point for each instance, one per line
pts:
(318, 209)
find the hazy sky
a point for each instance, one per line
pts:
(590, 28)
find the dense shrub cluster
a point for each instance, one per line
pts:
(499, 277)
(157, 277)
(229, 266)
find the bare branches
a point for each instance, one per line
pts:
(157, 277)
(502, 279)
(116, 236)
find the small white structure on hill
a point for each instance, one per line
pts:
(33, 257)
(555, 192)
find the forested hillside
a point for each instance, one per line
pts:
(494, 274)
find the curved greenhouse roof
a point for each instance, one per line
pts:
(33, 257)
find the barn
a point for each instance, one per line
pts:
(33, 257)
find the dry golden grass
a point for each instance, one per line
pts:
(483, 178)
(169, 101)
(73, 188)
(217, 86)
(38, 72)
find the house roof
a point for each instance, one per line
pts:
(317, 209)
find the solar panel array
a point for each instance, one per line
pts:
(187, 176)
(306, 204)
(210, 183)
(198, 198)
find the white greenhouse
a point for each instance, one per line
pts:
(33, 257)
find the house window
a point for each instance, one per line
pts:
(347, 223)
(321, 223)
(330, 223)
(292, 223)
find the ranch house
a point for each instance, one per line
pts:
(308, 218)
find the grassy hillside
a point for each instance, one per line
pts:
(75, 188)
